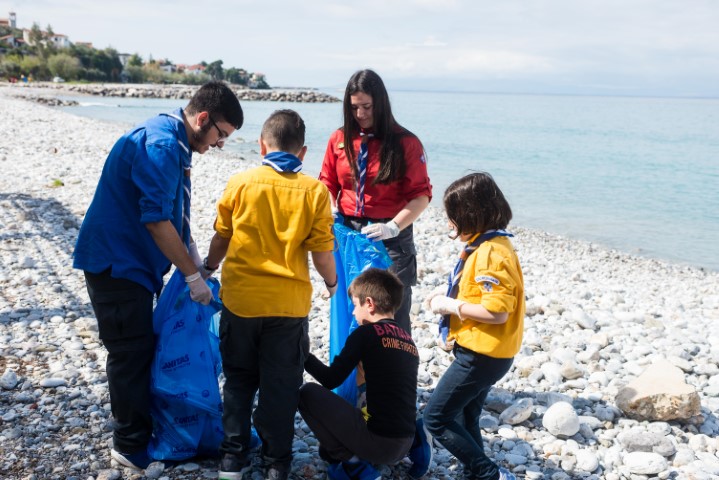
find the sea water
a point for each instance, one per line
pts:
(636, 174)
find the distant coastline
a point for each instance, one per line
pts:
(173, 91)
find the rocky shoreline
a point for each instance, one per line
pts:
(183, 92)
(582, 400)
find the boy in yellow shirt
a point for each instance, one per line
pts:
(268, 219)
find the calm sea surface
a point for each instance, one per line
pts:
(639, 175)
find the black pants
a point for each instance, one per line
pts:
(342, 430)
(266, 354)
(403, 253)
(124, 317)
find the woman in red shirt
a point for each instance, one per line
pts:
(376, 172)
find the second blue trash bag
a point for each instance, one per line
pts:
(354, 253)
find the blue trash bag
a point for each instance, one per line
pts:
(186, 401)
(354, 253)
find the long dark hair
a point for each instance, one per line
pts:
(385, 127)
(475, 204)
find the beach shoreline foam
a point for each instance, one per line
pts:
(596, 319)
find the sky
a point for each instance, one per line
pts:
(593, 47)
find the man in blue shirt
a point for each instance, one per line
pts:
(136, 228)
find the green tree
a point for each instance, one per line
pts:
(214, 70)
(36, 35)
(65, 66)
(237, 75)
(135, 60)
(10, 66)
(135, 74)
(35, 67)
(152, 73)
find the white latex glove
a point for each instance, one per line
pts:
(194, 255)
(334, 211)
(446, 305)
(381, 231)
(199, 291)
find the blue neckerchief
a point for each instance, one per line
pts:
(283, 162)
(453, 282)
(179, 123)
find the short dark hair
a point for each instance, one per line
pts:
(382, 286)
(475, 204)
(219, 101)
(284, 130)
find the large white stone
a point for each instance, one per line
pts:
(561, 420)
(660, 393)
(645, 463)
(587, 461)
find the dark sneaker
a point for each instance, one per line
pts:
(353, 471)
(277, 472)
(421, 452)
(505, 474)
(139, 460)
(233, 467)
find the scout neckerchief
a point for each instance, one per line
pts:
(283, 162)
(456, 275)
(362, 171)
(186, 182)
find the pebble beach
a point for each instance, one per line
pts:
(597, 321)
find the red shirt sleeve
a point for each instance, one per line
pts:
(416, 180)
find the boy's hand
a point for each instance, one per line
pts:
(331, 289)
(205, 270)
(381, 231)
(446, 306)
(438, 291)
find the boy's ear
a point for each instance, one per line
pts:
(301, 154)
(263, 147)
(369, 301)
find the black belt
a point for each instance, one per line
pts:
(365, 220)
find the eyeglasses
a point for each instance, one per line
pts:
(221, 136)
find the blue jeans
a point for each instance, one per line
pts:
(452, 413)
(266, 354)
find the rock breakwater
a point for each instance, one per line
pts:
(183, 92)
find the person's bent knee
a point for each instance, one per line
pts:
(307, 392)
